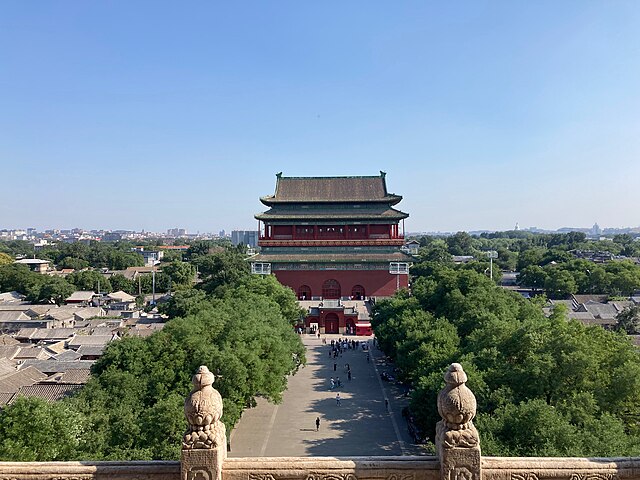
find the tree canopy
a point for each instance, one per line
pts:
(545, 386)
(132, 407)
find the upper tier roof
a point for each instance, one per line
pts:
(331, 189)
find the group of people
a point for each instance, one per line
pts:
(336, 349)
(337, 383)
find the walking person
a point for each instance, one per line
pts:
(335, 366)
(338, 401)
(386, 404)
(317, 423)
(349, 375)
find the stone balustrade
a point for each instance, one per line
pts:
(457, 443)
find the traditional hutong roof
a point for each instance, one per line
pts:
(331, 190)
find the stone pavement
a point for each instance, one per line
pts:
(361, 425)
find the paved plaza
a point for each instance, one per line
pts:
(361, 425)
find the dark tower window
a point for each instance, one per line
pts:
(331, 289)
(357, 292)
(304, 292)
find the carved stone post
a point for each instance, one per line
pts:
(204, 446)
(457, 440)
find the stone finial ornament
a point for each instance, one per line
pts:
(457, 407)
(456, 403)
(203, 409)
(457, 439)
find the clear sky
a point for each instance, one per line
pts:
(152, 115)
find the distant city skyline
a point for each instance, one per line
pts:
(149, 115)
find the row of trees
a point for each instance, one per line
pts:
(545, 386)
(544, 260)
(40, 288)
(88, 260)
(80, 255)
(620, 278)
(132, 408)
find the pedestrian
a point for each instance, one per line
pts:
(349, 375)
(335, 366)
(386, 404)
(338, 399)
(317, 423)
(333, 383)
(367, 358)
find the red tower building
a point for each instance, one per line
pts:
(333, 237)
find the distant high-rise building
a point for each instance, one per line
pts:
(176, 232)
(517, 227)
(246, 237)
(222, 234)
(112, 237)
(596, 230)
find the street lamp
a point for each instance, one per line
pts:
(491, 254)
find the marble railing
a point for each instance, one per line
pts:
(329, 468)
(89, 470)
(457, 442)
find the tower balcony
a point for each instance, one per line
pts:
(280, 242)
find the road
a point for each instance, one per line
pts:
(361, 425)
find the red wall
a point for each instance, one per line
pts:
(343, 320)
(376, 283)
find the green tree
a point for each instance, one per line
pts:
(560, 283)
(533, 276)
(17, 277)
(33, 430)
(436, 251)
(73, 262)
(531, 256)
(577, 388)
(182, 274)
(120, 282)
(629, 320)
(220, 269)
(135, 398)
(49, 290)
(90, 280)
(460, 244)
(184, 303)
(5, 258)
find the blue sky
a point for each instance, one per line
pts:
(152, 115)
